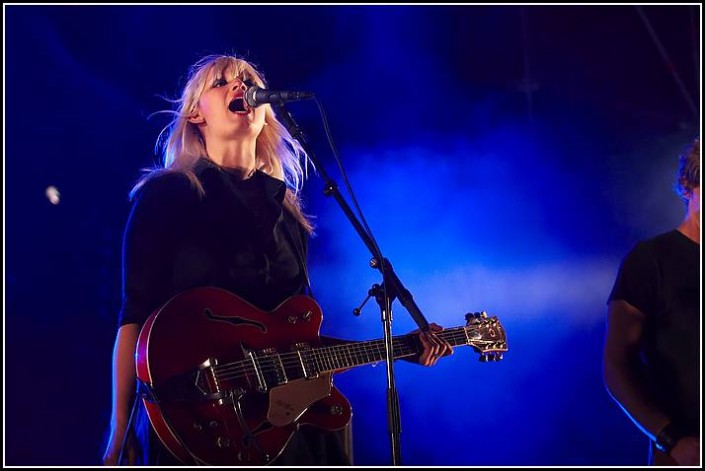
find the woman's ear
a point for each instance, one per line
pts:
(196, 118)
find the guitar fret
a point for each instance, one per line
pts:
(347, 355)
(333, 359)
(344, 358)
(353, 355)
(325, 359)
(329, 363)
(341, 357)
(317, 358)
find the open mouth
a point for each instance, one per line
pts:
(238, 106)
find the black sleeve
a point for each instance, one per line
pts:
(637, 279)
(158, 217)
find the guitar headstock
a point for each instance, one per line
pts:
(486, 335)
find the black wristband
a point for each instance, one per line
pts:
(667, 438)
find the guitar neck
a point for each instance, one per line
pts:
(348, 355)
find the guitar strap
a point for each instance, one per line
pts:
(129, 429)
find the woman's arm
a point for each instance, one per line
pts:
(124, 380)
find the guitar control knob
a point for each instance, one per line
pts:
(213, 424)
(307, 315)
(223, 442)
(291, 319)
(197, 426)
(335, 410)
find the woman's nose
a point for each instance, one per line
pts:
(239, 84)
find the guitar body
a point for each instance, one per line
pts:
(225, 384)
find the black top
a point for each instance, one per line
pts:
(237, 237)
(661, 278)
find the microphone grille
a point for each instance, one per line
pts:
(250, 96)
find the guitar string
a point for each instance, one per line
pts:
(348, 354)
(343, 356)
(246, 370)
(289, 359)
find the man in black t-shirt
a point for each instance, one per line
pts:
(652, 346)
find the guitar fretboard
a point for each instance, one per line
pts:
(343, 356)
(268, 369)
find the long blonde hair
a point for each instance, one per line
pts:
(277, 153)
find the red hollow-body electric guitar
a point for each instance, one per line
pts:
(224, 384)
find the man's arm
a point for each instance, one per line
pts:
(624, 379)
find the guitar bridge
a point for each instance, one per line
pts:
(197, 385)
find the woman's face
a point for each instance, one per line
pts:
(215, 115)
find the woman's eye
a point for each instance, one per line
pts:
(248, 82)
(219, 82)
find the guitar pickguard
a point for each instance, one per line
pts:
(287, 403)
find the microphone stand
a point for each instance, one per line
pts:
(391, 288)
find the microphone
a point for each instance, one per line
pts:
(256, 96)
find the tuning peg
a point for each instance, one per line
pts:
(483, 314)
(483, 358)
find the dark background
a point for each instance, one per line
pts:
(506, 158)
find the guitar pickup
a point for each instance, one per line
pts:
(272, 367)
(307, 360)
(268, 367)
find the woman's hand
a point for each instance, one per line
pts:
(111, 456)
(686, 451)
(434, 347)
